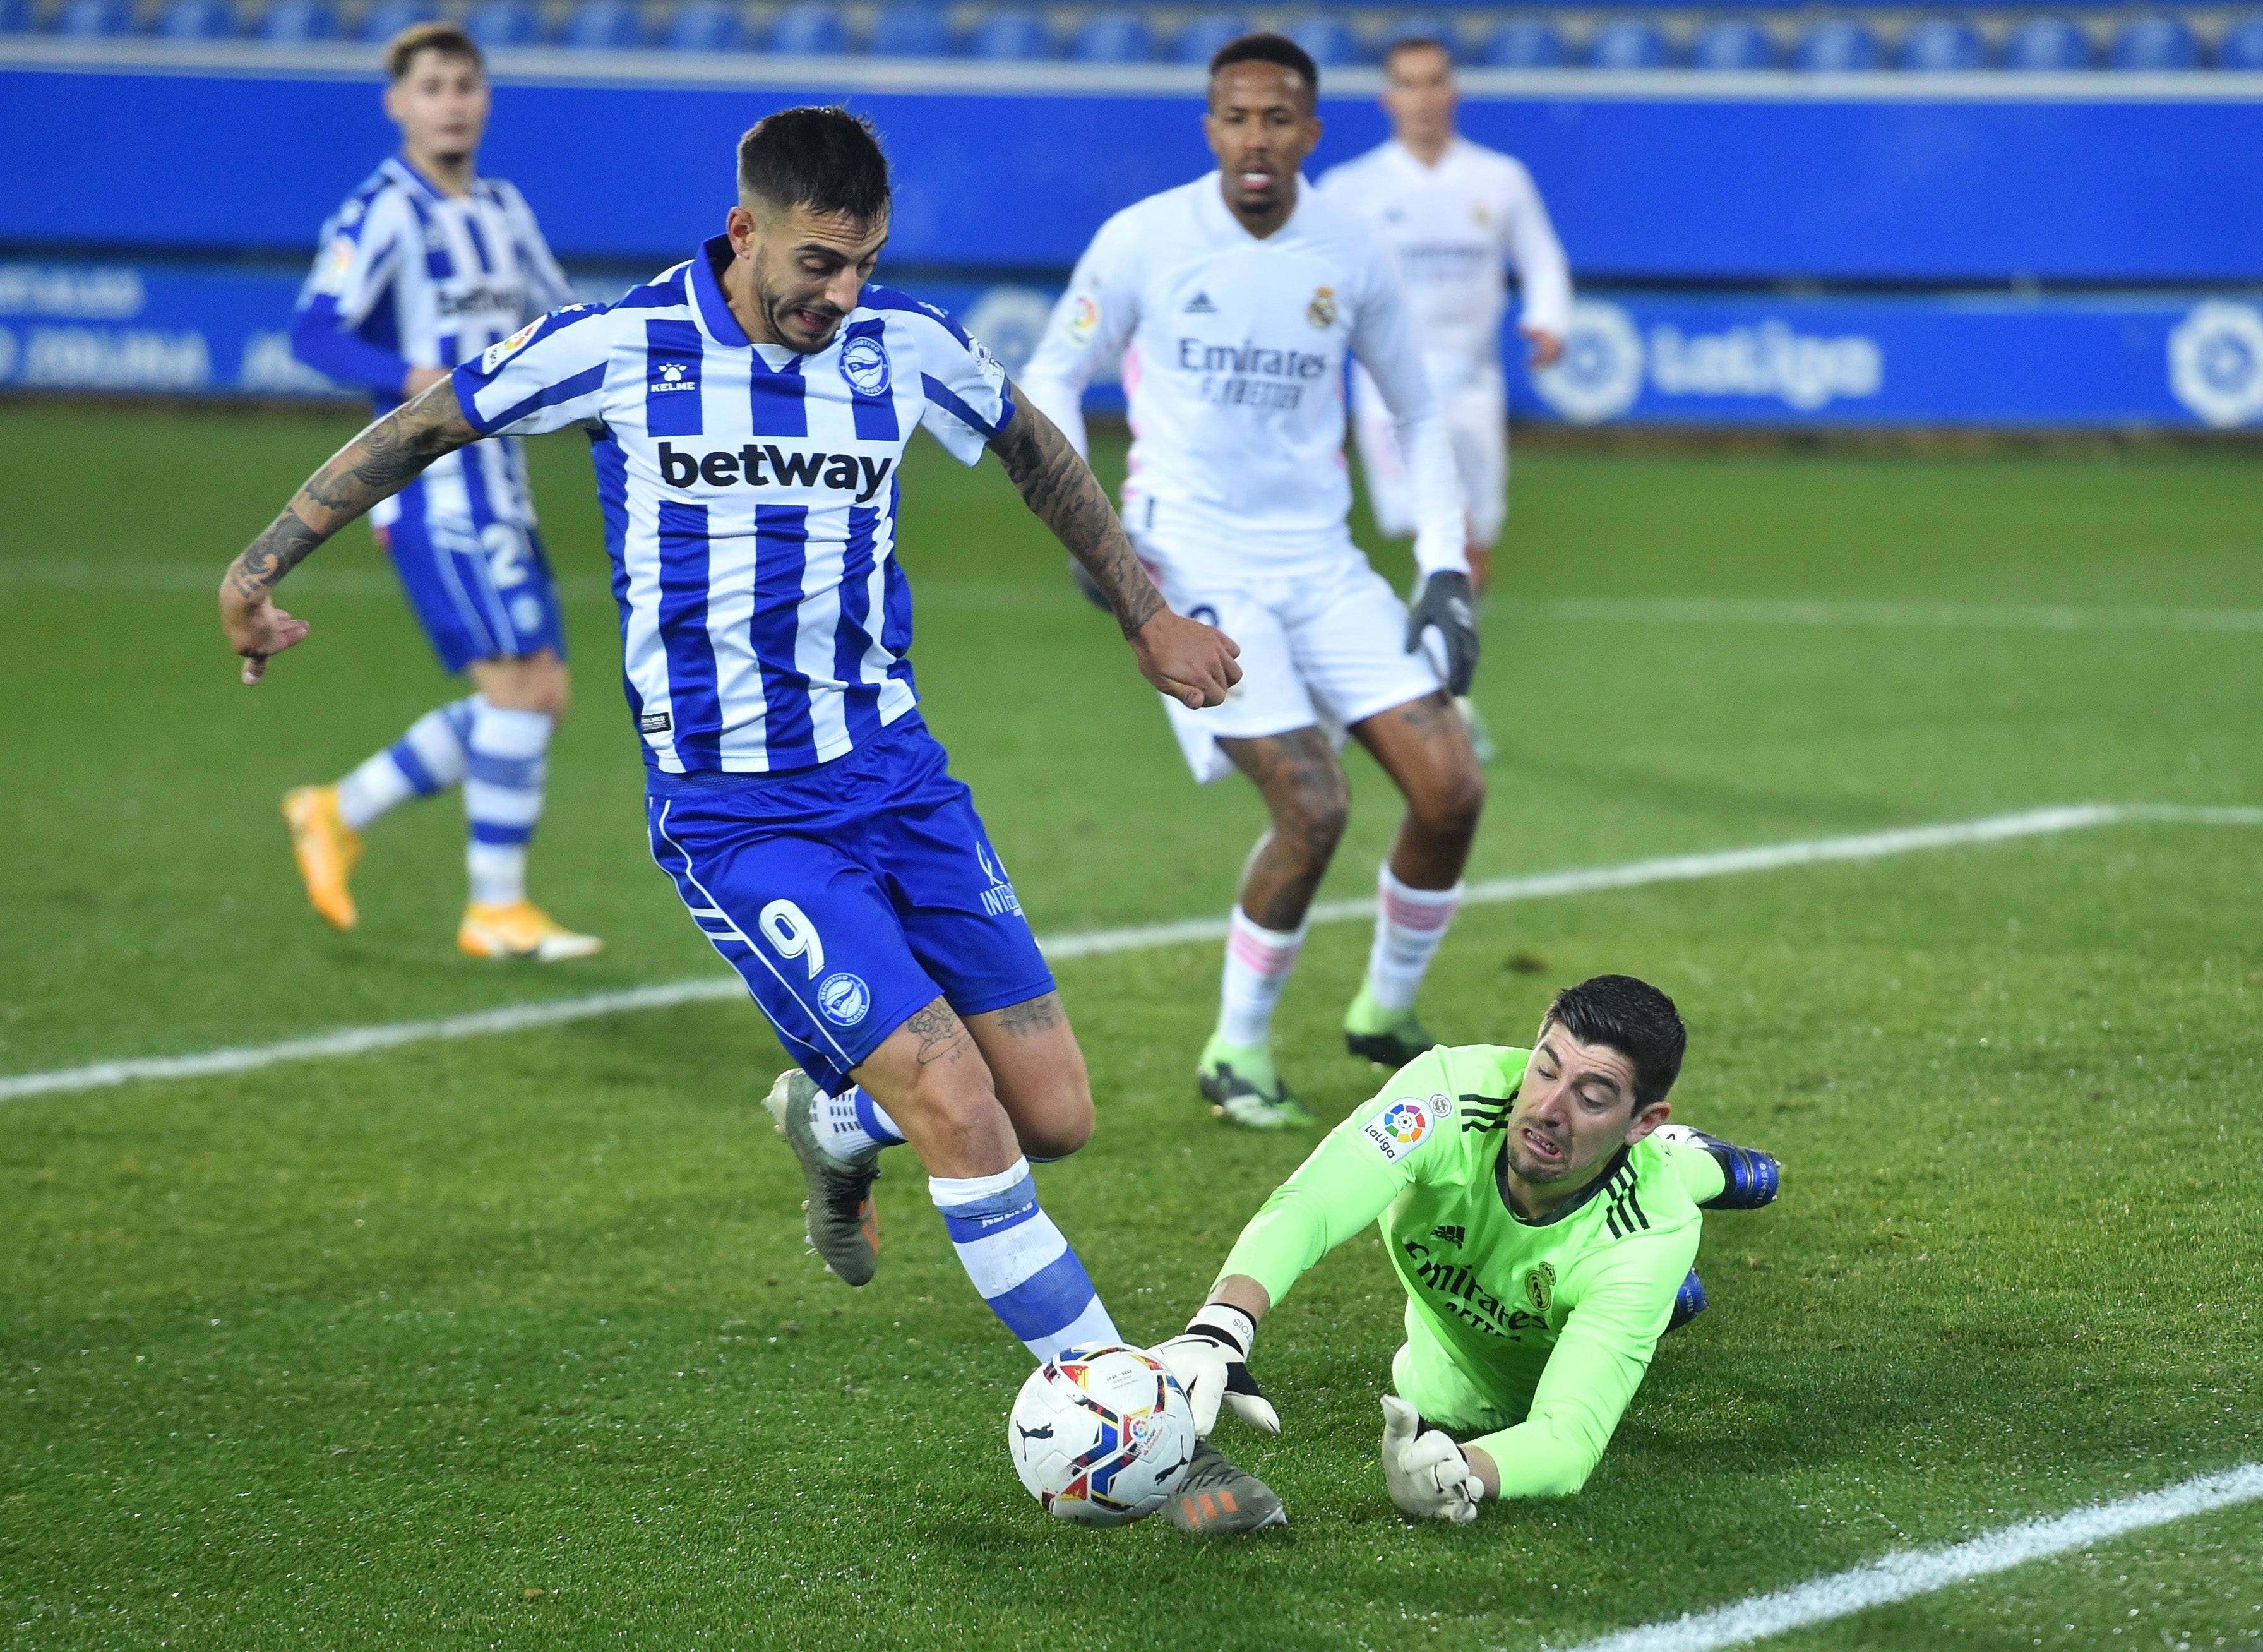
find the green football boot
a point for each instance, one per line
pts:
(1216, 1499)
(1389, 1037)
(1244, 1088)
(844, 1224)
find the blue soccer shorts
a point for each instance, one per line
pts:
(482, 589)
(849, 896)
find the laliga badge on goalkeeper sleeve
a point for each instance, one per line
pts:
(1211, 1360)
(1427, 1475)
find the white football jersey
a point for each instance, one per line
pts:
(1457, 228)
(1234, 351)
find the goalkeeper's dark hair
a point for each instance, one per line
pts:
(1632, 1017)
(1270, 48)
(825, 159)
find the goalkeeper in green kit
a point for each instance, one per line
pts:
(1542, 1217)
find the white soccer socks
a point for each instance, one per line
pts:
(429, 758)
(1019, 1261)
(1257, 965)
(852, 1124)
(505, 768)
(1409, 923)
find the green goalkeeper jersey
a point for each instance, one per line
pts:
(1534, 1334)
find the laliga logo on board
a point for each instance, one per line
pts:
(1600, 373)
(1606, 364)
(2215, 363)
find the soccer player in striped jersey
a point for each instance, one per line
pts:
(425, 265)
(748, 410)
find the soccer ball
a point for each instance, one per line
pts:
(1101, 1436)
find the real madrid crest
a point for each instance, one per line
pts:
(1322, 312)
(1540, 1288)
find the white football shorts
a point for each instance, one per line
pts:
(1477, 424)
(1323, 645)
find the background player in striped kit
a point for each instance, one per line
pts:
(425, 265)
(751, 407)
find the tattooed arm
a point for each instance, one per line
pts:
(375, 465)
(1188, 660)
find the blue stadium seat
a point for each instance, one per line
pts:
(604, 26)
(811, 29)
(1837, 47)
(290, 22)
(1329, 40)
(1629, 43)
(2241, 48)
(16, 17)
(1012, 37)
(2154, 43)
(1732, 46)
(1113, 37)
(706, 25)
(1199, 40)
(94, 19)
(910, 31)
(1941, 46)
(2047, 45)
(387, 17)
(1523, 44)
(499, 23)
(196, 20)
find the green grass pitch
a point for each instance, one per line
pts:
(512, 1342)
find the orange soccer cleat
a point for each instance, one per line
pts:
(326, 848)
(520, 929)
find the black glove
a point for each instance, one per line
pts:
(1443, 605)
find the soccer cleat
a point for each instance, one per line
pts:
(326, 848)
(1216, 1499)
(844, 1224)
(520, 929)
(1689, 1301)
(1751, 1178)
(1244, 1088)
(1481, 745)
(1389, 1037)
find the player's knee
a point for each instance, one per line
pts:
(1450, 807)
(1065, 1127)
(1317, 816)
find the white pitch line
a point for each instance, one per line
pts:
(1913, 1572)
(1140, 938)
(1761, 611)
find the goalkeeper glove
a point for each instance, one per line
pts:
(1210, 1360)
(1443, 605)
(1429, 1476)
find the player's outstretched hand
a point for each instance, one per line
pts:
(1192, 662)
(1429, 1477)
(1211, 1360)
(256, 628)
(1443, 605)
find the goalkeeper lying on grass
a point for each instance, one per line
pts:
(1543, 1220)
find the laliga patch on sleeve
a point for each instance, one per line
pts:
(1083, 317)
(336, 266)
(993, 373)
(504, 349)
(1399, 1128)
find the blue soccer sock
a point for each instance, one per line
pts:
(852, 1124)
(429, 758)
(1019, 1261)
(502, 797)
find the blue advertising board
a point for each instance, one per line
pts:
(2144, 360)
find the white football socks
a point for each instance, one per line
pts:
(1409, 923)
(852, 1124)
(429, 758)
(504, 773)
(1257, 965)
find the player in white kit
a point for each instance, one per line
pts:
(1236, 300)
(1457, 215)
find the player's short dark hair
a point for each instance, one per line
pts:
(447, 38)
(1632, 1017)
(1270, 48)
(825, 159)
(1416, 43)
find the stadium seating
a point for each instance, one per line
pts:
(1523, 44)
(95, 19)
(1629, 43)
(1199, 40)
(812, 29)
(1013, 36)
(1733, 45)
(16, 17)
(1329, 40)
(2242, 47)
(2047, 45)
(909, 31)
(387, 17)
(706, 25)
(291, 22)
(1114, 37)
(1837, 47)
(1939, 45)
(502, 22)
(603, 26)
(196, 20)
(2154, 43)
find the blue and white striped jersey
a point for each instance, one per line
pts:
(750, 497)
(408, 277)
